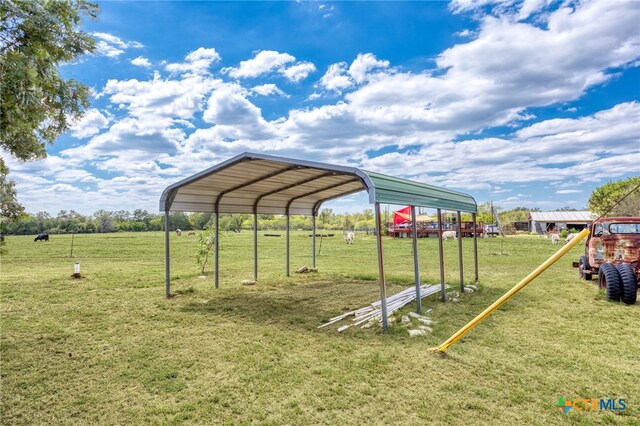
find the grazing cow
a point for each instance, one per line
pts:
(191, 233)
(449, 234)
(349, 238)
(569, 238)
(178, 232)
(42, 237)
(555, 239)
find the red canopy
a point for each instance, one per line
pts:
(402, 215)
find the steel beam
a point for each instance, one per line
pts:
(416, 265)
(461, 266)
(326, 188)
(251, 182)
(475, 246)
(287, 244)
(217, 248)
(313, 238)
(255, 246)
(316, 206)
(443, 294)
(292, 185)
(167, 260)
(383, 295)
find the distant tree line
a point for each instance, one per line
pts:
(102, 221)
(66, 222)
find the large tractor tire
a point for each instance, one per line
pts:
(629, 284)
(609, 278)
(582, 265)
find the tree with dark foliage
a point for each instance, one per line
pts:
(36, 103)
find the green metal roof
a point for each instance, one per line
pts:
(393, 190)
(258, 183)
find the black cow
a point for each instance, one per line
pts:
(42, 237)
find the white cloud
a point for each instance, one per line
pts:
(141, 61)
(265, 61)
(90, 124)
(179, 98)
(336, 77)
(234, 115)
(75, 175)
(112, 46)
(268, 89)
(298, 72)
(363, 64)
(105, 49)
(63, 187)
(530, 7)
(196, 62)
(602, 146)
(150, 135)
(569, 191)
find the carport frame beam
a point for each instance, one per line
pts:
(313, 239)
(460, 260)
(216, 243)
(255, 246)
(383, 292)
(443, 294)
(287, 243)
(475, 245)
(416, 264)
(167, 253)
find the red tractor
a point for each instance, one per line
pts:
(612, 252)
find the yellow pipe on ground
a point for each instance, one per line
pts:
(540, 269)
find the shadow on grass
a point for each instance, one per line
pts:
(305, 306)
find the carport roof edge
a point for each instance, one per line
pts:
(278, 185)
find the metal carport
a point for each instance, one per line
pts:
(264, 184)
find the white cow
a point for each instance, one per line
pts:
(449, 234)
(569, 238)
(349, 238)
(555, 239)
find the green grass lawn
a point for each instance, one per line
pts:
(110, 349)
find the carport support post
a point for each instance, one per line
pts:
(460, 251)
(167, 273)
(287, 243)
(475, 245)
(255, 246)
(313, 238)
(216, 242)
(416, 265)
(441, 253)
(383, 295)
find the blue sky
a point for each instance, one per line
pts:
(526, 103)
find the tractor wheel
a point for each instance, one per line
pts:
(609, 278)
(584, 264)
(629, 285)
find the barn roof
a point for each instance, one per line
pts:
(258, 183)
(581, 216)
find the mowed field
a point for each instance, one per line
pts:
(110, 349)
